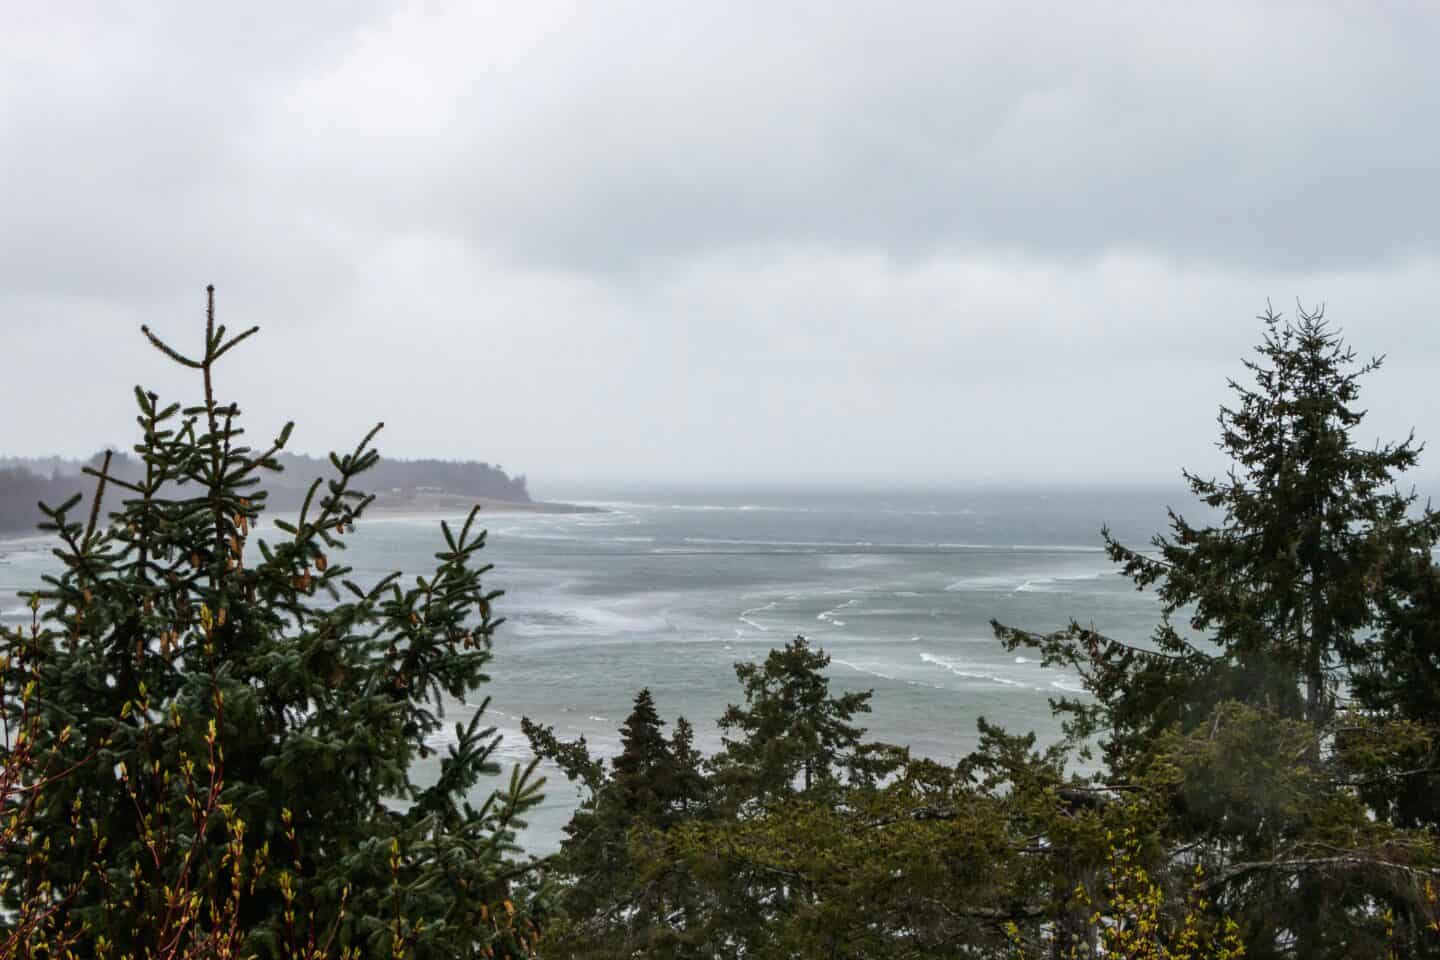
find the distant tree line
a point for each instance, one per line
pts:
(26, 482)
(466, 478)
(21, 490)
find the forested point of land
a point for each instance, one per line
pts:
(26, 482)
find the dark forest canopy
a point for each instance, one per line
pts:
(27, 481)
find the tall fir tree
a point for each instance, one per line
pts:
(1285, 596)
(1287, 584)
(617, 903)
(1300, 684)
(790, 735)
(185, 652)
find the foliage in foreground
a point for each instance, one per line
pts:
(219, 729)
(1270, 759)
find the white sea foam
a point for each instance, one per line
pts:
(967, 671)
(828, 616)
(984, 584)
(568, 617)
(858, 668)
(745, 542)
(1046, 583)
(745, 616)
(1026, 547)
(518, 535)
(1022, 583)
(693, 507)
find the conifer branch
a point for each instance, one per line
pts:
(99, 496)
(168, 350)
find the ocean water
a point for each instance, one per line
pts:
(668, 589)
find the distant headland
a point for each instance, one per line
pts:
(400, 486)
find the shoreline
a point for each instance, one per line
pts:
(385, 507)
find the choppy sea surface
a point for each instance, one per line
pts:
(668, 589)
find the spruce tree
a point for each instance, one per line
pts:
(188, 654)
(1311, 519)
(1304, 684)
(1285, 595)
(790, 735)
(1400, 681)
(644, 752)
(618, 902)
(687, 787)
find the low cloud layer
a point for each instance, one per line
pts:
(908, 243)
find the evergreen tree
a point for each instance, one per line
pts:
(791, 734)
(1400, 681)
(687, 788)
(1317, 583)
(1290, 588)
(1286, 585)
(620, 903)
(644, 756)
(176, 632)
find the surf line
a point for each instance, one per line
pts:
(745, 616)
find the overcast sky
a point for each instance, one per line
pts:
(896, 242)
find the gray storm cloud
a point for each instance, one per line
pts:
(912, 242)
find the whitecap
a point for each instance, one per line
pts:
(967, 671)
(745, 616)
(983, 584)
